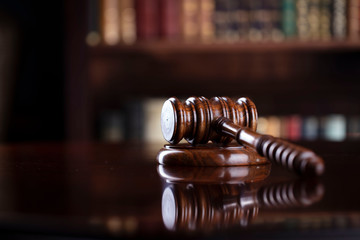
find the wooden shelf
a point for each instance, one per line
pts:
(163, 47)
(225, 68)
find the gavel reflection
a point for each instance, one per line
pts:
(191, 206)
(221, 120)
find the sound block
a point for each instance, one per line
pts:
(215, 175)
(210, 155)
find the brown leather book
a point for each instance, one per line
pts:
(147, 18)
(170, 19)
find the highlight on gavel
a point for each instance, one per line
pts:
(221, 120)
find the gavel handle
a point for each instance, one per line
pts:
(291, 156)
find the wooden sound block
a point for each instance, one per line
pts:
(210, 155)
(216, 175)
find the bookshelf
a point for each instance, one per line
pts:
(283, 78)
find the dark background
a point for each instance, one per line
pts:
(37, 109)
(59, 87)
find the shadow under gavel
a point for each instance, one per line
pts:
(221, 120)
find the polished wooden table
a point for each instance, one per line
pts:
(97, 190)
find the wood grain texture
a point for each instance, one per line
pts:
(232, 174)
(209, 155)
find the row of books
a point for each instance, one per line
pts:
(140, 120)
(126, 21)
(334, 127)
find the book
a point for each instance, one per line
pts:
(244, 19)
(262, 126)
(334, 127)
(127, 21)
(221, 21)
(276, 33)
(190, 12)
(267, 19)
(289, 17)
(170, 19)
(256, 21)
(207, 31)
(110, 22)
(283, 127)
(274, 126)
(325, 20)
(271, 20)
(354, 20)
(230, 19)
(147, 18)
(233, 24)
(310, 129)
(294, 127)
(314, 19)
(302, 21)
(339, 20)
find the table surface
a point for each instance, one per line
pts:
(98, 190)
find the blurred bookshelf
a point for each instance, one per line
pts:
(297, 59)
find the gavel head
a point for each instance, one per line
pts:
(193, 119)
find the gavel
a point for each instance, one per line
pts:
(221, 120)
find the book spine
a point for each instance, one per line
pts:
(310, 130)
(294, 124)
(147, 19)
(127, 21)
(314, 19)
(283, 127)
(244, 19)
(267, 20)
(354, 20)
(191, 20)
(233, 25)
(170, 19)
(325, 20)
(256, 21)
(207, 31)
(303, 27)
(339, 20)
(274, 128)
(221, 20)
(289, 18)
(110, 22)
(276, 34)
(334, 127)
